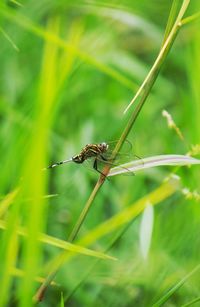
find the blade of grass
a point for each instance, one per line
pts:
(164, 191)
(50, 84)
(165, 297)
(146, 230)
(60, 243)
(137, 165)
(16, 2)
(168, 188)
(153, 74)
(9, 249)
(9, 39)
(191, 302)
(20, 274)
(171, 18)
(7, 201)
(40, 293)
(114, 239)
(62, 303)
(51, 37)
(191, 18)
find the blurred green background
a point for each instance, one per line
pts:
(68, 71)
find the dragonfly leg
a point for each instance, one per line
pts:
(109, 161)
(96, 168)
(112, 164)
(103, 158)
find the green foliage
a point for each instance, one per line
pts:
(68, 72)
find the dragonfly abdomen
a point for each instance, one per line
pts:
(78, 159)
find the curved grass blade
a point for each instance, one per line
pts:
(61, 244)
(135, 166)
(167, 189)
(164, 191)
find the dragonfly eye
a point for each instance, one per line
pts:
(104, 146)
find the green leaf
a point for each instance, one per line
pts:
(62, 244)
(166, 296)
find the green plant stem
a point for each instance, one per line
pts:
(171, 18)
(145, 89)
(170, 187)
(153, 73)
(191, 18)
(84, 212)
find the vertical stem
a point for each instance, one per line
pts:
(145, 90)
(85, 211)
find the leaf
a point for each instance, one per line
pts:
(16, 272)
(7, 201)
(171, 18)
(146, 229)
(169, 293)
(62, 244)
(167, 189)
(9, 39)
(62, 303)
(27, 24)
(138, 165)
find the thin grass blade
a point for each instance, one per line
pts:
(146, 229)
(166, 296)
(138, 165)
(7, 201)
(153, 73)
(67, 246)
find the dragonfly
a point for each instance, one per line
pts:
(100, 153)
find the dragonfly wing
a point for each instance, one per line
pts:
(101, 162)
(125, 155)
(126, 147)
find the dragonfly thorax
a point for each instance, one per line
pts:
(90, 151)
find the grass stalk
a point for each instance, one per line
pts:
(145, 90)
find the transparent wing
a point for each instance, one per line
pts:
(125, 171)
(100, 163)
(127, 147)
(125, 155)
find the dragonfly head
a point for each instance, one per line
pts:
(103, 146)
